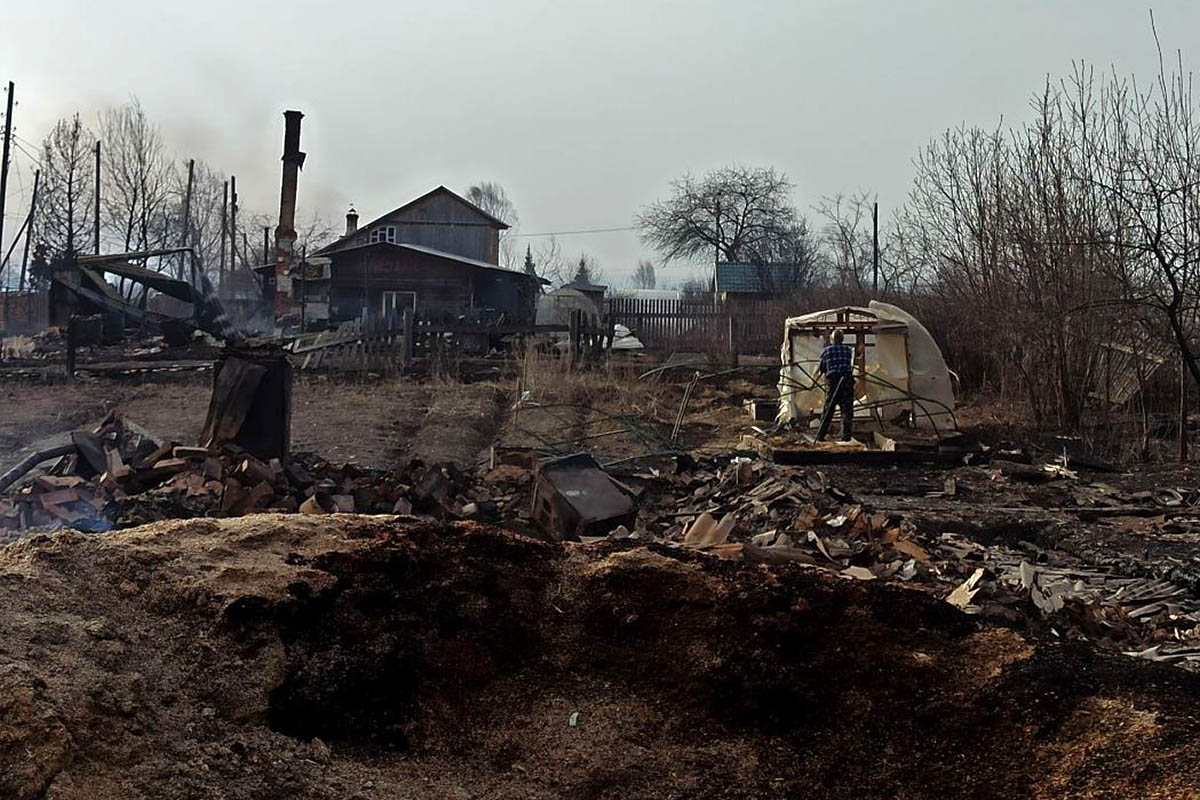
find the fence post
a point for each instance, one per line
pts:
(573, 335)
(732, 345)
(596, 343)
(71, 336)
(406, 343)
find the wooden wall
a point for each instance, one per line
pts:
(24, 312)
(443, 288)
(443, 223)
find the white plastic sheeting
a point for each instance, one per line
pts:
(905, 369)
(928, 375)
(555, 308)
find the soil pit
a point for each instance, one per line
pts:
(334, 657)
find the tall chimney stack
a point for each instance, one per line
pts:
(351, 221)
(285, 234)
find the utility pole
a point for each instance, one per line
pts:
(266, 245)
(1183, 415)
(224, 221)
(13, 246)
(29, 231)
(875, 247)
(96, 223)
(4, 157)
(232, 224)
(303, 285)
(187, 217)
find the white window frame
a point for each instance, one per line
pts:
(383, 304)
(383, 233)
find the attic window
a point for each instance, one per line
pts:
(384, 233)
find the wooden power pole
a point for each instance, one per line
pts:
(875, 248)
(232, 224)
(29, 230)
(224, 222)
(96, 221)
(187, 219)
(4, 157)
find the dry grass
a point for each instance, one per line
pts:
(610, 411)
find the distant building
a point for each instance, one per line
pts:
(734, 281)
(651, 294)
(437, 255)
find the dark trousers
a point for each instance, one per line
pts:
(839, 395)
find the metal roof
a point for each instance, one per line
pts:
(748, 278)
(429, 251)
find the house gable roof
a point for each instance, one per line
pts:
(442, 190)
(499, 223)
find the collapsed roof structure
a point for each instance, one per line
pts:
(900, 371)
(81, 288)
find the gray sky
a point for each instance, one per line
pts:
(583, 110)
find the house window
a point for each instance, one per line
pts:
(396, 302)
(384, 233)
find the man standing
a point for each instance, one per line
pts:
(837, 365)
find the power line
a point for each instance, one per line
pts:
(572, 233)
(28, 154)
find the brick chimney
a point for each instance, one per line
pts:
(351, 221)
(278, 293)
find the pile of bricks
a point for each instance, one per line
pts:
(119, 476)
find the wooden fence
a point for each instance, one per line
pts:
(391, 344)
(354, 346)
(746, 327)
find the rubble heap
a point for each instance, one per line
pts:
(760, 512)
(120, 475)
(734, 509)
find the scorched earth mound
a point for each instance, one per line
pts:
(353, 657)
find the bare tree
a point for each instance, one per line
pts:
(737, 214)
(139, 178)
(205, 229)
(1144, 159)
(550, 262)
(492, 198)
(312, 233)
(643, 276)
(847, 250)
(1064, 240)
(65, 201)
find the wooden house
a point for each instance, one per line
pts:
(437, 255)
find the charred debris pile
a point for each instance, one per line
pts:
(735, 508)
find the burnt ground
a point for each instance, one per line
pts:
(338, 657)
(342, 656)
(379, 423)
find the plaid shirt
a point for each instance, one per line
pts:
(837, 360)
